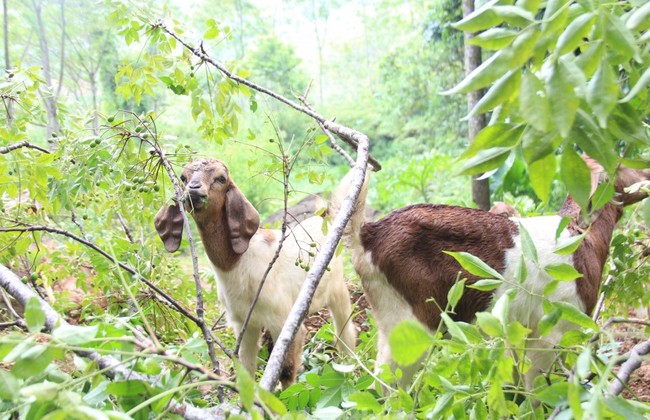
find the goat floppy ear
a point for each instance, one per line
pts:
(169, 224)
(243, 219)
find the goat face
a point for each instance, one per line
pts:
(206, 182)
(212, 197)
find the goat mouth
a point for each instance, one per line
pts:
(195, 202)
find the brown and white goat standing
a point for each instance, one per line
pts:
(406, 275)
(240, 254)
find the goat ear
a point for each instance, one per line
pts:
(169, 224)
(243, 219)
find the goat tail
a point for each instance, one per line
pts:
(351, 234)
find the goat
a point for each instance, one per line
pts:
(406, 275)
(240, 253)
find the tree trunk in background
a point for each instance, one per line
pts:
(49, 98)
(8, 102)
(480, 188)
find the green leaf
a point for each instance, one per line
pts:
(575, 315)
(516, 333)
(562, 271)
(568, 245)
(591, 57)
(75, 335)
(489, 323)
(211, 33)
(618, 38)
(514, 15)
(534, 104)
(42, 391)
(452, 327)
(639, 19)
(573, 35)
(486, 285)
(548, 321)
(455, 293)
(521, 272)
(522, 47)
(576, 176)
(409, 340)
(626, 409)
(128, 388)
(527, 245)
(34, 315)
(489, 71)
(271, 401)
(365, 402)
(485, 161)
(482, 18)
(541, 173)
(565, 102)
(561, 226)
(474, 265)
(602, 92)
(245, 387)
(493, 38)
(502, 90)
(553, 395)
(603, 195)
(443, 404)
(33, 361)
(494, 136)
(643, 81)
(9, 386)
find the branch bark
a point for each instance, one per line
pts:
(633, 363)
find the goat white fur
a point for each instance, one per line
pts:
(402, 267)
(240, 254)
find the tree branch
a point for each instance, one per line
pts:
(24, 143)
(633, 363)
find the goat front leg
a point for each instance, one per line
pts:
(293, 361)
(249, 348)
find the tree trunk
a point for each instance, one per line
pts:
(9, 103)
(480, 187)
(49, 98)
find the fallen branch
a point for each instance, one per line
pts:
(112, 367)
(633, 363)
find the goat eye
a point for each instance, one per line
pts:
(220, 179)
(183, 179)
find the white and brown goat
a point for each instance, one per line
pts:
(240, 253)
(406, 275)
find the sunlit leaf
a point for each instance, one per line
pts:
(34, 315)
(602, 92)
(565, 102)
(576, 177)
(562, 271)
(534, 105)
(574, 34)
(474, 265)
(408, 342)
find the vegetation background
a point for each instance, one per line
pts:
(92, 87)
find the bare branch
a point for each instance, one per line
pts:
(633, 363)
(24, 143)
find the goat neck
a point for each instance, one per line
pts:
(212, 226)
(590, 257)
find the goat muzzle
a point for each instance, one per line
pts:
(195, 200)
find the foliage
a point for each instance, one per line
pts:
(570, 74)
(103, 185)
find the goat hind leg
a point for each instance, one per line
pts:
(293, 361)
(342, 313)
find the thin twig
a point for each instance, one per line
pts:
(125, 227)
(24, 143)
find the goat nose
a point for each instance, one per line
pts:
(194, 184)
